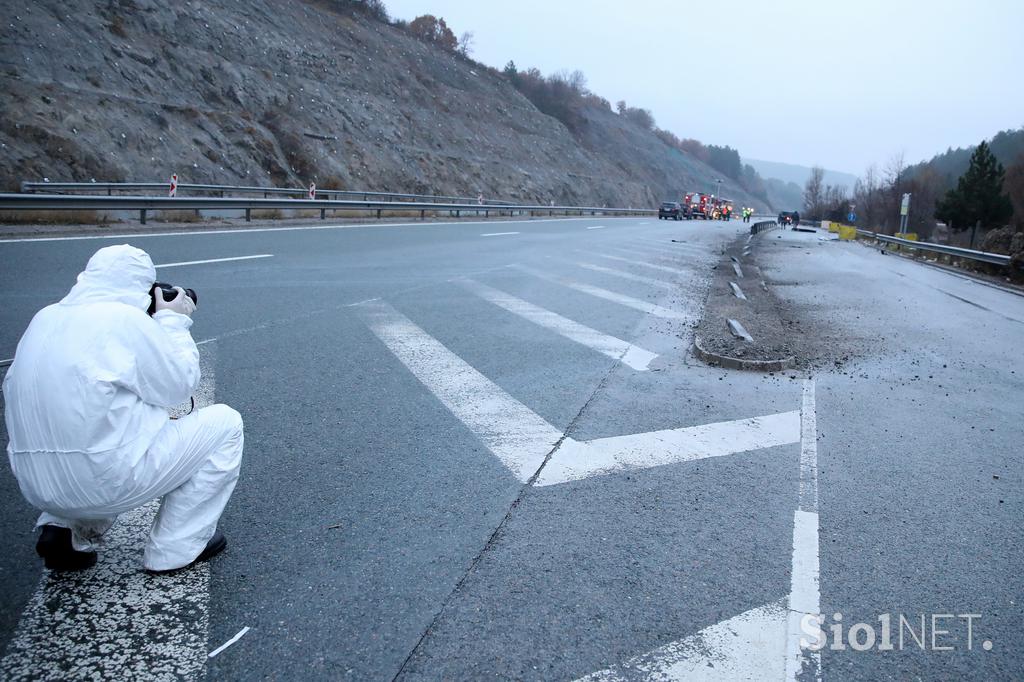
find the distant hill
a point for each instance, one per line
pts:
(287, 93)
(1007, 146)
(784, 196)
(788, 172)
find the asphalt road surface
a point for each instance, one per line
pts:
(484, 450)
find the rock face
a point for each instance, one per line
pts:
(285, 93)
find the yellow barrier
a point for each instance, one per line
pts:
(847, 232)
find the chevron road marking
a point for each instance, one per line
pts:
(653, 266)
(627, 353)
(661, 284)
(764, 643)
(621, 299)
(521, 439)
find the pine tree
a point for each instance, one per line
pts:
(978, 195)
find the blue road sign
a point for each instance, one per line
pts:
(852, 217)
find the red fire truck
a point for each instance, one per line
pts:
(697, 205)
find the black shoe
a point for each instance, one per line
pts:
(59, 555)
(217, 544)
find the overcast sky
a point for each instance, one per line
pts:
(842, 84)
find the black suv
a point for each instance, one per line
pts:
(670, 209)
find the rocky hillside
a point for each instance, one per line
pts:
(262, 92)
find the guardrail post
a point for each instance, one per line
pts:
(323, 213)
(142, 216)
(423, 214)
(378, 213)
(487, 214)
(457, 213)
(248, 215)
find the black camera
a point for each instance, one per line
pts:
(169, 293)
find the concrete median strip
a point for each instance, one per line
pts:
(743, 327)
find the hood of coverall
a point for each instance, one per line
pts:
(122, 274)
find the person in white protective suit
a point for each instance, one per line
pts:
(87, 400)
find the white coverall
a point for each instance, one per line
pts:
(87, 400)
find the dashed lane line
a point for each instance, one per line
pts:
(804, 593)
(629, 354)
(621, 299)
(213, 260)
(595, 227)
(497, 234)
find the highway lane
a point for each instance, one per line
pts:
(385, 524)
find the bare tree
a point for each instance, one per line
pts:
(814, 192)
(578, 81)
(466, 43)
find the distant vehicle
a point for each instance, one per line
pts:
(722, 210)
(789, 218)
(670, 209)
(697, 205)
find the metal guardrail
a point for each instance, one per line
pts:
(62, 202)
(763, 226)
(110, 187)
(955, 251)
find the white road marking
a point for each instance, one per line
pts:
(521, 439)
(668, 244)
(627, 353)
(247, 230)
(621, 299)
(228, 643)
(628, 275)
(763, 643)
(652, 266)
(744, 647)
(804, 593)
(213, 260)
(516, 435)
(100, 623)
(660, 284)
(596, 227)
(575, 460)
(497, 234)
